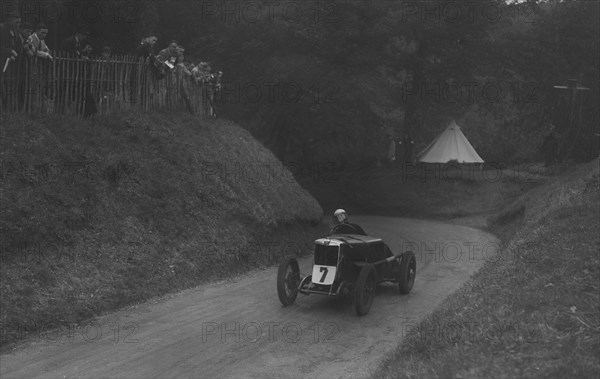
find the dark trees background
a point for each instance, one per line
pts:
(328, 81)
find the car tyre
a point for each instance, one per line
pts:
(364, 291)
(288, 279)
(408, 272)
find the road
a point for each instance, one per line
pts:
(238, 328)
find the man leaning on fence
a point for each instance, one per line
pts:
(10, 39)
(169, 54)
(38, 42)
(146, 47)
(74, 45)
(138, 84)
(10, 46)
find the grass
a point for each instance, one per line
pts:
(533, 310)
(105, 212)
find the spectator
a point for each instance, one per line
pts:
(14, 51)
(215, 82)
(214, 90)
(87, 51)
(75, 44)
(23, 47)
(9, 34)
(201, 72)
(145, 51)
(169, 54)
(89, 106)
(398, 150)
(38, 42)
(146, 47)
(25, 31)
(391, 150)
(550, 147)
(181, 66)
(409, 144)
(179, 51)
(106, 52)
(190, 66)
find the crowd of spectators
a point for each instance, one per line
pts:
(20, 40)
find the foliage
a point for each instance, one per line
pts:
(364, 68)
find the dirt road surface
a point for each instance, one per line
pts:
(238, 328)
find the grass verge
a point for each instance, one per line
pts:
(105, 212)
(533, 309)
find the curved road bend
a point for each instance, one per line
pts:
(239, 328)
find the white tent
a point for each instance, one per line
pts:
(449, 146)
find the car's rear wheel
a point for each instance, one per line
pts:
(288, 279)
(408, 272)
(364, 291)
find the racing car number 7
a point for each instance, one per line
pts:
(324, 271)
(324, 274)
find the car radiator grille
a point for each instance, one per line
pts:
(326, 255)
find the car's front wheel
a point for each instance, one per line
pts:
(408, 272)
(288, 279)
(364, 292)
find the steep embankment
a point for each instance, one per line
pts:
(101, 213)
(533, 309)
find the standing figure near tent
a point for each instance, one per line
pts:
(550, 147)
(391, 151)
(408, 144)
(397, 151)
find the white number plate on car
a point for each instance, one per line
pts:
(323, 274)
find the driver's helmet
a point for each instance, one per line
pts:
(340, 216)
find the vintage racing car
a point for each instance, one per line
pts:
(347, 264)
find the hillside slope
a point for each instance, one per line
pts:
(101, 213)
(532, 310)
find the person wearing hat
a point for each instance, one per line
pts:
(343, 226)
(75, 44)
(25, 31)
(10, 38)
(146, 46)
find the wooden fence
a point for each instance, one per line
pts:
(74, 86)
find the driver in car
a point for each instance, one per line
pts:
(343, 226)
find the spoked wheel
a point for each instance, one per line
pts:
(364, 292)
(288, 279)
(408, 272)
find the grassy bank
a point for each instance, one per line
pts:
(533, 309)
(102, 213)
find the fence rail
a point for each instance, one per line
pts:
(74, 86)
